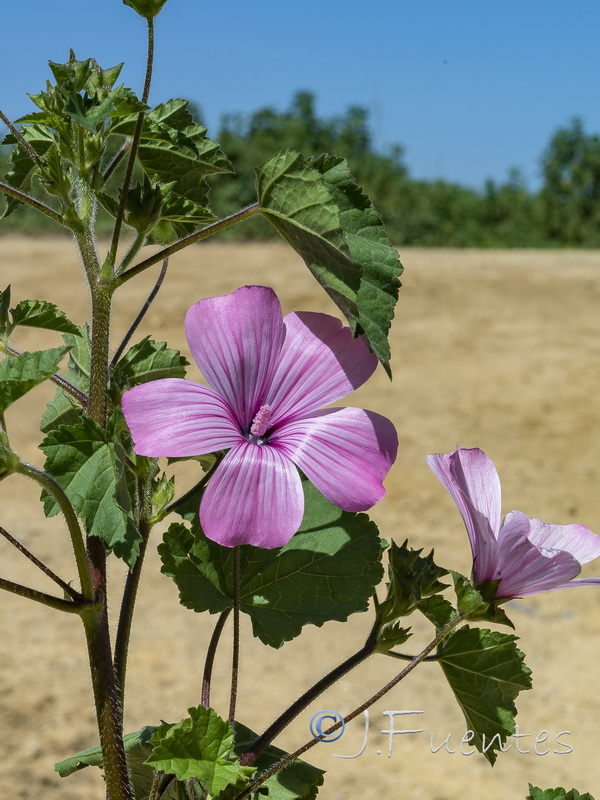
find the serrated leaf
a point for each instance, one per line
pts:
(556, 794)
(486, 672)
(90, 471)
(148, 361)
(21, 373)
(327, 571)
(93, 756)
(390, 636)
(199, 747)
(320, 210)
(298, 781)
(295, 200)
(370, 247)
(63, 408)
(42, 314)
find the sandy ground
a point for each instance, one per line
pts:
(499, 350)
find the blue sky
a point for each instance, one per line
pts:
(470, 88)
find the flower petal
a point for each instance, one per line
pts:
(255, 497)
(236, 340)
(470, 478)
(176, 417)
(320, 362)
(577, 540)
(345, 452)
(525, 569)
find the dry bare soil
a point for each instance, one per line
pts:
(493, 349)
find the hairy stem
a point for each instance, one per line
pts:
(297, 707)
(40, 565)
(59, 603)
(133, 150)
(235, 660)
(210, 657)
(203, 233)
(47, 482)
(132, 583)
(363, 707)
(108, 705)
(20, 138)
(140, 316)
(31, 201)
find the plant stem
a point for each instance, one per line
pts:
(31, 201)
(140, 316)
(210, 657)
(59, 603)
(107, 702)
(349, 717)
(133, 150)
(47, 482)
(203, 233)
(276, 727)
(235, 660)
(40, 565)
(126, 612)
(101, 311)
(20, 138)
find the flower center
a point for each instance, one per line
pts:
(260, 423)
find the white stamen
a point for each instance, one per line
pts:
(261, 421)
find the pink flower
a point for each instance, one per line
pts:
(526, 555)
(268, 377)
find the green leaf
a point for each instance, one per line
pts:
(93, 756)
(199, 747)
(42, 314)
(146, 8)
(148, 361)
(437, 609)
(63, 408)
(486, 672)
(390, 636)
(295, 200)
(21, 373)
(174, 150)
(298, 781)
(556, 794)
(90, 471)
(327, 571)
(370, 247)
(319, 209)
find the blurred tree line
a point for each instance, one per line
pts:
(564, 212)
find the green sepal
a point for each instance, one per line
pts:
(163, 492)
(199, 747)
(486, 672)
(9, 461)
(19, 374)
(146, 8)
(475, 604)
(556, 794)
(5, 325)
(413, 577)
(327, 571)
(90, 467)
(390, 636)
(64, 409)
